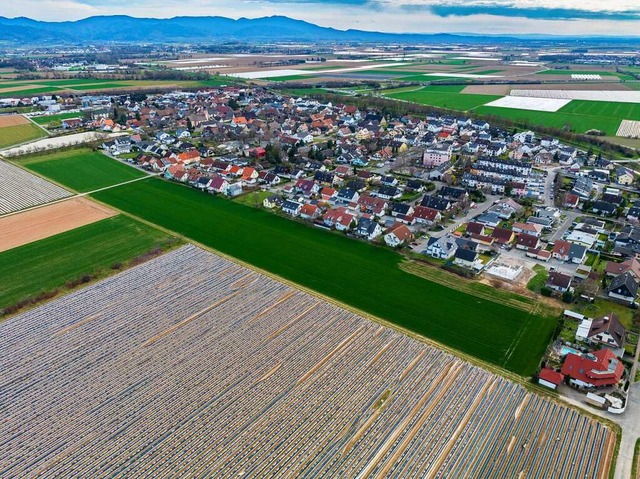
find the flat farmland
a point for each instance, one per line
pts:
(578, 115)
(193, 366)
(20, 189)
(356, 273)
(444, 99)
(81, 170)
(49, 263)
(14, 134)
(28, 226)
(48, 119)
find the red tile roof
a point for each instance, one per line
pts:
(599, 369)
(549, 375)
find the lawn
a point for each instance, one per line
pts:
(48, 119)
(541, 277)
(48, 264)
(601, 307)
(13, 135)
(353, 272)
(253, 199)
(81, 170)
(448, 98)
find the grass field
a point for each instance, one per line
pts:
(13, 135)
(356, 273)
(578, 115)
(90, 250)
(447, 98)
(49, 119)
(81, 170)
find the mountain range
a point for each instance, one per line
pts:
(120, 28)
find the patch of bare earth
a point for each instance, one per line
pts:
(23, 228)
(12, 120)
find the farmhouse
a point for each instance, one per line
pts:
(599, 369)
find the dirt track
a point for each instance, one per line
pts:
(12, 120)
(33, 225)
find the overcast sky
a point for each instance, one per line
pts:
(580, 17)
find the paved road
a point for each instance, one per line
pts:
(422, 244)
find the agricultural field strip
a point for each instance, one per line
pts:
(629, 129)
(529, 103)
(43, 222)
(20, 189)
(247, 376)
(262, 74)
(602, 95)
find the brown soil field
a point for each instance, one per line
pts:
(40, 223)
(12, 120)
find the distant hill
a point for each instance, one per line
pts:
(121, 28)
(210, 29)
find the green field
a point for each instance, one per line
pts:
(578, 116)
(81, 170)
(578, 72)
(13, 135)
(356, 273)
(90, 250)
(444, 98)
(46, 120)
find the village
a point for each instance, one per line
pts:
(528, 212)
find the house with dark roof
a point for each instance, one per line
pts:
(624, 288)
(291, 207)
(388, 192)
(608, 331)
(401, 209)
(503, 236)
(368, 228)
(436, 203)
(559, 282)
(604, 208)
(526, 242)
(347, 195)
(467, 258)
(441, 248)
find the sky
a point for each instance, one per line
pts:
(558, 17)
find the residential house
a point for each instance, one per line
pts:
(309, 212)
(347, 195)
(624, 176)
(607, 331)
(624, 288)
(467, 258)
(559, 282)
(528, 228)
(503, 236)
(388, 193)
(632, 265)
(426, 216)
(561, 250)
(273, 201)
(401, 209)
(526, 242)
(368, 228)
(594, 370)
(577, 253)
(441, 248)
(291, 207)
(398, 236)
